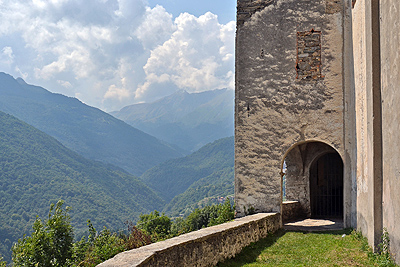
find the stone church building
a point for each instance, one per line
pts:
(318, 106)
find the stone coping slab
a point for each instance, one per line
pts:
(200, 248)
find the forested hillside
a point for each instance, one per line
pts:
(36, 170)
(84, 129)
(189, 121)
(206, 191)
(186, 182)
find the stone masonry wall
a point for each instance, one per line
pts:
(275, 107)
(205, 247)
(308, 55)
(291, 211)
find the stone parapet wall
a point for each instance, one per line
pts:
(205, 247)
(292, 210)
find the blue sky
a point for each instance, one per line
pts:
(225, 9)
(112, 53)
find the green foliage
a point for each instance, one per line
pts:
(2, 262)
(178, 227)
(161, 226)
(225, 213)
(98, 247)
(206, 173)
(286, 248)
(156, 225)
(200, 218)
(204, 192)
(51, 243)
(136, 237)
(249, 211)
(383, 258)
(207, 216)
(36, 170)
(384, 246)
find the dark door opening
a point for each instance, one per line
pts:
(326, 187)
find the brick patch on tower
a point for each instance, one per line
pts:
(308, 64)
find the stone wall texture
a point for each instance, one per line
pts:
(205, 247)
(286, 97)
(291, 211)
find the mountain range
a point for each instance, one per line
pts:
(189, 121)
(55, 147)
(185, 182)
(86, 130)
(37, 170)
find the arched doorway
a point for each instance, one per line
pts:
(314, 179)
(326, 186)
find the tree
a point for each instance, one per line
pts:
(155, 225)
(226, 213)
(102, 246)
(51, 243)
(2, 262)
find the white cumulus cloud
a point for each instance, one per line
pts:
(7, 56)
(112, 53)
(198, 56)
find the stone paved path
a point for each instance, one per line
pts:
(311, 225)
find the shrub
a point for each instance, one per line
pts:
(51, 243)
(136, 237)
(2, 262)
(156, 225)
(100, 246)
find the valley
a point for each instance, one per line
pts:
(55, 147)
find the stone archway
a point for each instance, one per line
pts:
(309, 166)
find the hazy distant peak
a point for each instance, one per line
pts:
(188, 120)
(182, 91)
(84, 129)
(21, 81)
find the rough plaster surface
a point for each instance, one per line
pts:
(205, 247)
(390, 67)
(274, 109)
(362, 54)
(376, 210)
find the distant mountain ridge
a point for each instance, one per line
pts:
(36, 170)
(84, 129)
(189, 121)
(185, 182)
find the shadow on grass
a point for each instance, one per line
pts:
(250, 253)
(346, 231)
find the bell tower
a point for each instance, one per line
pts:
(290, 107)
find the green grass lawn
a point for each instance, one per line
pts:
(286, 248)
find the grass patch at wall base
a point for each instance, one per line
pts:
(288, 248)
